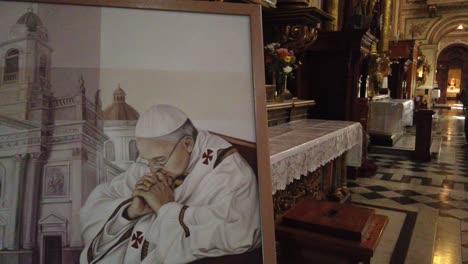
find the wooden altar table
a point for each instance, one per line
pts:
(301, 147)
(308, 157)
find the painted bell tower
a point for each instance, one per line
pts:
(25, 60)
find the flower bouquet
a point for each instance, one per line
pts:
(280, 62)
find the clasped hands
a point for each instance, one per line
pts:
(151, 192)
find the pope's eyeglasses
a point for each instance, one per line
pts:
(156, 166)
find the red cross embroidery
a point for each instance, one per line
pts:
(137, 239)
(207, 156)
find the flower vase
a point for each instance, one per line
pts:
(282, 91)
(286, 93)
(279, 97)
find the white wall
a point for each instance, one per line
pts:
(200, 63)
(74, 37)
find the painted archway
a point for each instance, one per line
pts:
(455, 55)
(445, 26)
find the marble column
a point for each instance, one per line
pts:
(78, 181)
(32, 189)
(14, 226)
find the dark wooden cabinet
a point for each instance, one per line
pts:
(403, 78)
(334, 74)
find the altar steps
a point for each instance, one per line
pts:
(405, 146)
(411, 233)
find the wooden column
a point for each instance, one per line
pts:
(332, 8)
(422, 150)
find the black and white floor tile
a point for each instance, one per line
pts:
(441, 184)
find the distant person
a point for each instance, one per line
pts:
(464, 100)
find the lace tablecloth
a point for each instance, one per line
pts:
(305, 145)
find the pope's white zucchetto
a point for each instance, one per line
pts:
(160, 120)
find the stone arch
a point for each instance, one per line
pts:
(12, 47)
(453, 54)
(445, 26)
(444, 45)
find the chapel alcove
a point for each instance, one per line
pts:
(454, 79)
(452, 71)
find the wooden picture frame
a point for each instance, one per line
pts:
(259, 115)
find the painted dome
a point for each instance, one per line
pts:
(119, 109)
(30, 20)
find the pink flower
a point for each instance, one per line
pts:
(282, 52)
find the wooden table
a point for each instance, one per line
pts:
(309, 158)
(299, 246)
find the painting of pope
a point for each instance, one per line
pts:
(189, 195)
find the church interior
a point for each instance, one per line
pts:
(398, 68)
(366, 134)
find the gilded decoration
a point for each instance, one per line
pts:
(298, 190)
(417, 28)
(379, 69)
(423, 69)
(312, 186)
(296, 36)
(293, 28)
(415, 1)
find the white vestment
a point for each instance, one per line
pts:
(216, 212)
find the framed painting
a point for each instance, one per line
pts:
(149, 117)
(56, 178)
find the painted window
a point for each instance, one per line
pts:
(110, 151)
(133, 151)
(11, 66)
(43, 67)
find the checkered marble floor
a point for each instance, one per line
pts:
(441, 184)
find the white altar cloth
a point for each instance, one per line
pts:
(305, 145)
(389, 117)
